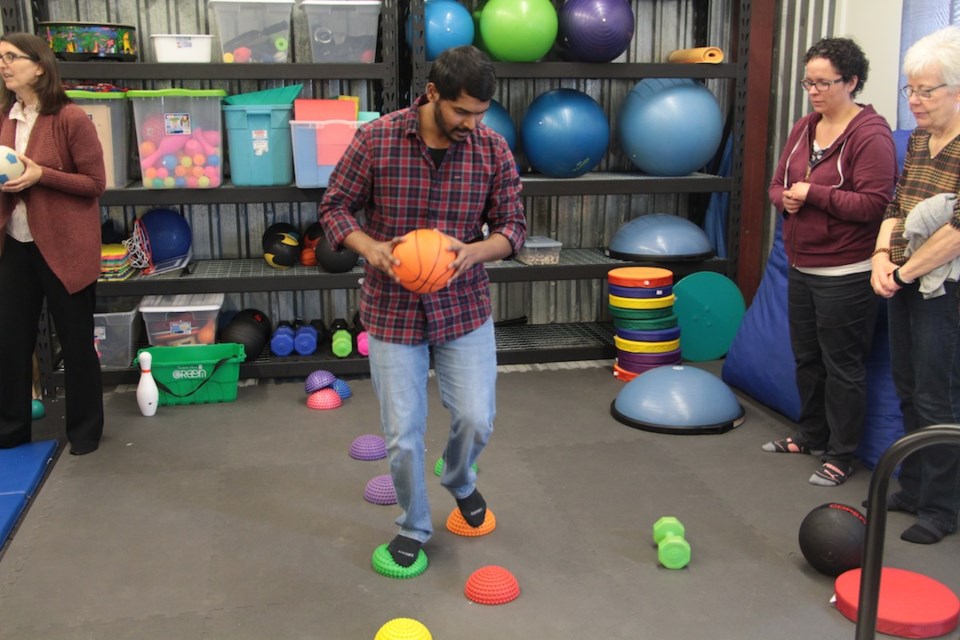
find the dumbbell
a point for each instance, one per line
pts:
(360, 335)
(341, 340)
(673, 551)
(281, 343)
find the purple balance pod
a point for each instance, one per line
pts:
(657, 335)
(380, 490)
(319, 379)
(639, 292)
(626, 358)
(368, 447)
(641, 368)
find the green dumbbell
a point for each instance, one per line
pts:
(673, 552)
(667, 525)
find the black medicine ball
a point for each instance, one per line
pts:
(281, 250)
(335, 261)
(249, 327)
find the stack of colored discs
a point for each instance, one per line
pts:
(647, 333)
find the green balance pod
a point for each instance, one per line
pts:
(258, 143)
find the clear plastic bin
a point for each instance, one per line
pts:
(253, 31)
(317, 147)
(342, 30)
(179, 137)
(110, 114)
(175, 320)
(539, 250)
(115, 331)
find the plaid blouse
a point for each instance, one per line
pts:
(922, 178)
(388, 174)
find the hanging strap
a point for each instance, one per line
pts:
(168, 391)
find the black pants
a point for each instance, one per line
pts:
(25, 280)
(832, 320)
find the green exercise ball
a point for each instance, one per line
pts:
(518, 30)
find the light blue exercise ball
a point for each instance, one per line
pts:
(498, 118)
(678, 399)
(670, 126)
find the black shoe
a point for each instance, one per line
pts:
(83, 448)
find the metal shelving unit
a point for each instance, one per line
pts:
(515, 343)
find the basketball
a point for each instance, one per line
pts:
(424, 261)
(832, 538)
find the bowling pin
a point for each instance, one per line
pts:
(148, 396)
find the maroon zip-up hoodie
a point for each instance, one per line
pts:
(849, 188)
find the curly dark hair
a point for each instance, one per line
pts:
(463, 68)
(846, 56)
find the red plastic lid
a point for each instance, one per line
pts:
(911, 605)
(648, 277)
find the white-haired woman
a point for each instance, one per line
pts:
(915, 266)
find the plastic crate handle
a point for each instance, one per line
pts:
(164, 388)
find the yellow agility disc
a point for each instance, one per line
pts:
(635, 346)
(642, 303)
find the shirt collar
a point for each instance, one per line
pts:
(21, 111)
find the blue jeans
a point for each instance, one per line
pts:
(466, 371)
(832, 320)
(925, 357)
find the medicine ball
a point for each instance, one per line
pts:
(281, 250)
(832, 538)
(249, 327)
(335, 261)
(279, 228)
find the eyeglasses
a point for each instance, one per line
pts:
(8, 58)
(924, 94)
(821, 85)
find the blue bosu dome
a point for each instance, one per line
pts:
(660, 236)
(677, 399)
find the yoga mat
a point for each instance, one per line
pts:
(711, 55)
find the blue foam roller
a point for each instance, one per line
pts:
(22, 467)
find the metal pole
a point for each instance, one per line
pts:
(877, 518)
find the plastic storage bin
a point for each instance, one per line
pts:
(178, 136)
(115, 331)
(258, 142)
(342, 30)
(317, 147)
(539, 250)
(189, 318)
(109, 112)
(177, 47)
(196, 374)
(253, 31)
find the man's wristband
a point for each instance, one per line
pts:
(896, 278)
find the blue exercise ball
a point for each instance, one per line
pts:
(678, 399)
(167, 234)
(498, 119)
(660, 236)
(564, 133)
(594, 30)
(448, 24)
(670, 126)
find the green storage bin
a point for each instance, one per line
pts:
(196, 374)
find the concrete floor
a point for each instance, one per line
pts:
(246, 521)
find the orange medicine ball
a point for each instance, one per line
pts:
(425, 260)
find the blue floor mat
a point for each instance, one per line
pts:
(21, 470)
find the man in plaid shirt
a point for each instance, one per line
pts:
(433, 165)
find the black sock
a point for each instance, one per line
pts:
(404, 550)
(922, 533)
(473, 508)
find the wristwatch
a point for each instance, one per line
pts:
(898, 280)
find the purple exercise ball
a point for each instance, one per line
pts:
(594, 30)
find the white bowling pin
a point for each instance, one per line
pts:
(148, 396)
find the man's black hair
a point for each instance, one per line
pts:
(464, 69)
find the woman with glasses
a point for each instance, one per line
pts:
(915, 266)
(49, 241)
(834, 178)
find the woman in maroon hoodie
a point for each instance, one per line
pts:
(49, 241)
(834, 178)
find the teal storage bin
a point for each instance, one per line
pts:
(258, 142)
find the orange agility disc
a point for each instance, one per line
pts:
(647, 277)
(424, 261)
